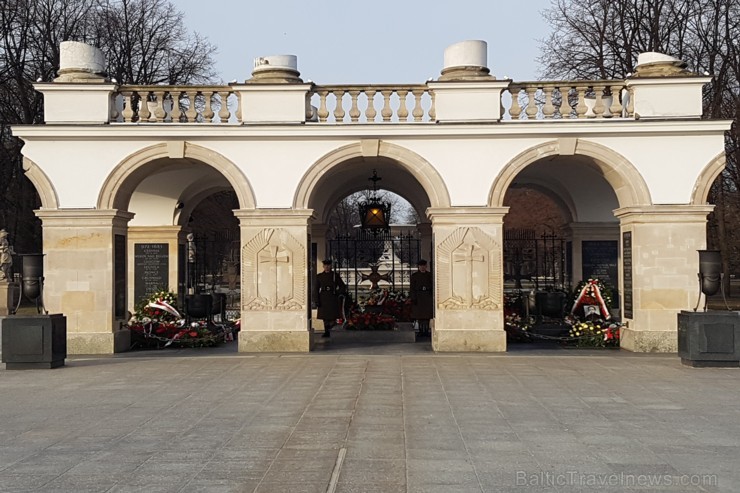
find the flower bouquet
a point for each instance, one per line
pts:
(158, 324)
(593, 333)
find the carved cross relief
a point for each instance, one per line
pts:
(469, 271)
(274, 267)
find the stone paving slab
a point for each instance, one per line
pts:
(397, 418)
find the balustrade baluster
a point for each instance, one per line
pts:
(418, 111)
(239, 107)
(128, 108)
(433, 107)
(144, 112)
(370, 112)
(616, 108)
(354, 111)
(386, 112)
(208, 111)
(531, 105)
(159, 112)
(548, 110)
(176, 108)
(339, 108)
(223, 112)
(515, 111)
(403, 109)
(631, 104)
(191, 113)
(581, 107)
(565, 108)
(323, 112)
(599, 106)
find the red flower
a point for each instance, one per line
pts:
(193, 333)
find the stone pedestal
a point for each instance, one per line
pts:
(31, 342)
(468, 250)
(709, 339)
(9, 293)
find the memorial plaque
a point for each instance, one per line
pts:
(151, 269)
(599, 261)
(119, 274)
(627, 270)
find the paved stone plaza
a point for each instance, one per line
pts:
(383, 419)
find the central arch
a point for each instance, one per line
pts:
(418, 167)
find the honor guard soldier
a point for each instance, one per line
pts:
(329, 295)
(422, 298)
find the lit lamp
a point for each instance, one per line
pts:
(374, 213)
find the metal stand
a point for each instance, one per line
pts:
(39, 300)
(702, 277)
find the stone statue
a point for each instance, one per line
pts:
(6, 257)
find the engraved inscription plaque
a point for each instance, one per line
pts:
(151, 269)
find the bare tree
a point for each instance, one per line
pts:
(602, 39)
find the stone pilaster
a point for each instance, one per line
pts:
(173, 236)
(275, 315)
(79, 276)
(468, 254)
(664, 265)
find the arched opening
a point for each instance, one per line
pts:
(560, 232)
(376, 266)
(184, 237)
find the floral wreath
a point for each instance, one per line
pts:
(593, 292)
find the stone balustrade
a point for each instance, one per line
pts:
(566, 100)
(358, 104)
(372, 104)
(194, 104)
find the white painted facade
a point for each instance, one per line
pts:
(643, 173)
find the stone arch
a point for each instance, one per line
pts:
(115, 186)
(44, 187)
(627, 183)
(700, 194)
(427, 176)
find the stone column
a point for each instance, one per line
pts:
(79, 276)
(173, 236)
(274, 280)
(659, 259)
(468, 254)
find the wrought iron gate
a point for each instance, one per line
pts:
(366, 259)
(540, 260)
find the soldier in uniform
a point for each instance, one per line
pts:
(328, 293)
(422, 299)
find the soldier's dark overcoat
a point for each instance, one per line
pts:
(329, 286)
(422, 297)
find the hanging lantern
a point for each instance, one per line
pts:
(374, 213)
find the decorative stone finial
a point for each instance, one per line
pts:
(80, 62)
(466, 60)
(275, 69)
(654, 64)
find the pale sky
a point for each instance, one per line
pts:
(375, 41)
